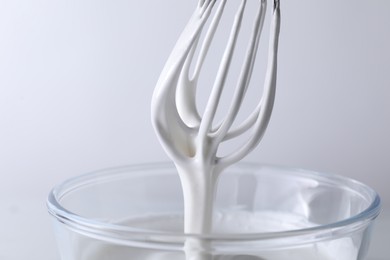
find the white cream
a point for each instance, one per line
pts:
(227, 222)
(189, 138)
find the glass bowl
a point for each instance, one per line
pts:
(261, 212)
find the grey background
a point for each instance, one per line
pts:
(76, 79)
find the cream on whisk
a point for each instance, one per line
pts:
(190, 139)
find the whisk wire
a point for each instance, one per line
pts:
(223, 70)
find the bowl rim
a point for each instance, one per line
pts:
(100, 229)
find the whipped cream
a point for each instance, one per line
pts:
(226, 222)
(190, 139)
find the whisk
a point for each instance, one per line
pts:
(190, 139)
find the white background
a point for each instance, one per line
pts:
(76, 79)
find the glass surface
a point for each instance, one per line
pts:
(261, 212)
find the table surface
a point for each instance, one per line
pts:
(26, 224)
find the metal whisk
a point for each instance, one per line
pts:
(189, 138)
